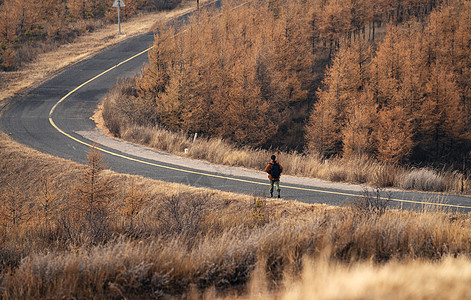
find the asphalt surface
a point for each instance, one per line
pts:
(28, 119)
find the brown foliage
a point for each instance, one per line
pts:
(92, 197)
(236, 75)
(342, 118)
(393, 135)
(14, 210)
(249, 73)
(410, 100)
(46, 201)
(133, 203)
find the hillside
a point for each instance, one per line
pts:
(254, 78)
(252, 75)
(28, 28)
(144, 238)
(407, 100)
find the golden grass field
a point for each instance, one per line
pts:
(186, 242)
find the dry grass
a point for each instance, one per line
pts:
(425, 180)
(227, 259)
(194, 242)
(83, 47)
(321, 279)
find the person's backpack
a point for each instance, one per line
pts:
(275, 170)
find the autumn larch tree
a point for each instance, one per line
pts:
(94, 195)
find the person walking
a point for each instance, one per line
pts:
(274, 169)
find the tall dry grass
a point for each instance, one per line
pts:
(323, 279)
(188, 242)
(225, 260)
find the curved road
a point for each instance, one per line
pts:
(55, 119)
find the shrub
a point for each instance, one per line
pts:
(182, 214)
(423, 180)
(371, 203)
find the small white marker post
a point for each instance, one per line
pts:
(118, 4)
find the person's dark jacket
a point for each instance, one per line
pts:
(268, 170)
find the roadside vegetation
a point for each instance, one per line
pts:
(76, 231)
(356, 170)
(251, 81)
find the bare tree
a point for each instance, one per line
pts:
(182, 214)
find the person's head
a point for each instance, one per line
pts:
(273, 157)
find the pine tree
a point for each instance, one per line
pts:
(94, 195)
(156, 75)
(339, 112)
(394, 135)
(133, 202)
(46, 201)
(357, 134)
(442, 118)
(14, 210)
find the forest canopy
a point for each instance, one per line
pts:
(408, 99)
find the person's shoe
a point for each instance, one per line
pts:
(271, 194)
(279, 196)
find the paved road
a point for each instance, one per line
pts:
(50, 117)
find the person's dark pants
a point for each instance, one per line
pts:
(276, 184)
